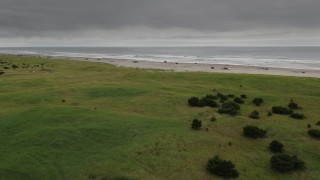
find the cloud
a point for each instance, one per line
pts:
(127, 20)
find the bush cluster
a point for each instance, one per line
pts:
(196, 124)
(281, 110)
(286, 163)
(222, 97)
(254, 115)
(254, 132)
(222, 168)
(238, 100)
(196, 102)
(257, 101)
(276, 147)
(314, 133)
(297, 116)
(193, 101)
(230, 108)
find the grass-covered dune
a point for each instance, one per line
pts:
(81, 120)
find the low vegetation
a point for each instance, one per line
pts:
(254, 132)
(281, 110)
(254, 115)
(285, 163)
(314, 133)
(257, 101)
(293, 105)
(230, 108)
(297, 116)
(222, 168)
(79, 120)
(276, 147)
(196, 124)
(238, 100)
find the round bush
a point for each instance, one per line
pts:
(230, 108)
(193, 101)
(318, 123)
(314, 133)
(254, 115)
(286, 163)
(231, 95)
(1, 73)
(293, 105)
(276, 147)
(257, 101)
(196, 124)
(281, 110)
(254, 132)
(243, 96)
(238, 100)
(297, 116)
(222, 168)
(213, 119)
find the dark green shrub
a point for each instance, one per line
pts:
(243, 96)
(297, 116)
(276, 147)
(14, 66)
(196, 124)
(6, 67)
(196, 102)
(1, 73)
(222, 168)
(314, 133)
(254, 115)
(286, 163)
(281, 110)
(222, 97)
(293, 105)
(309, 126)
(207, 102)
(230, 108)
(213, 119)
(193, 101)
(238, 100)
(231, 96)
(254, 132)
(257, 101)
(318, 123)
(269, 113)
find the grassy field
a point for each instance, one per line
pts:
(135, 123)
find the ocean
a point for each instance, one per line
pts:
(281, 57)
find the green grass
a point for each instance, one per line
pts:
(135, 123)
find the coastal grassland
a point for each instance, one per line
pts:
(84, 120)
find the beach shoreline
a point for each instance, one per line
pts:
(194, 67)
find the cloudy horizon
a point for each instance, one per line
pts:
(160, 23)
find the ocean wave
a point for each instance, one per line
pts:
(248, 60)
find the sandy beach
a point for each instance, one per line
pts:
(196, 67)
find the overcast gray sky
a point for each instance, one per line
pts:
(159, 22)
